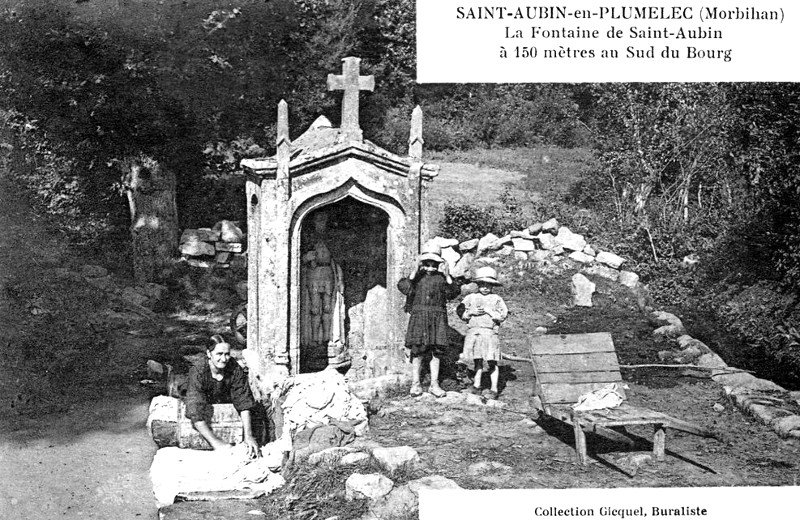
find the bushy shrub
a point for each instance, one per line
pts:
(466, 221)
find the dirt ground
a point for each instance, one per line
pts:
(73, 442)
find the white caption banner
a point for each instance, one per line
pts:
(573, 41)
(727, 503)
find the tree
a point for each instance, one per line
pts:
(664, 152)
(150, 190)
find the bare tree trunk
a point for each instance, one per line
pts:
(154, 217)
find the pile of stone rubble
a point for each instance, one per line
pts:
(547, 246)
(219, 246)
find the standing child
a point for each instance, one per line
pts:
(427, 291)
(484, 311)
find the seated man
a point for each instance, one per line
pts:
(216, 380)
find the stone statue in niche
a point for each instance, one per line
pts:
(323, 295)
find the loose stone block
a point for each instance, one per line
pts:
(461, 268)
(354, 458)
(222, 257)
(202, 509)
(230, 247)
(581, 257)
(372, 486)
(628, 279)
(392, 459)
(196, 248)
(551, 226)
(229, 231)
(505, 251)
(489, 240)
(539, 255)
(569, 240)
(785, 425)
(602, 271)
(433, 482)
(610, 259)
(582, 290)
(521, 234)
(200, 235)
(711, 360)
(520, 255)
(546, 240)
(375, 332)
(168, 425)
(535, 228)
(451, 256)
(468, 245)
(401, 502)
(674, 327)
(523, 244)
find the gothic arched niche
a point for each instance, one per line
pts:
(343, 255)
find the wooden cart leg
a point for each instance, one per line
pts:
(580, 443)
(659, 441)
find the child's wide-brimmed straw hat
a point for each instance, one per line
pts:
(486, 275)
(432, 252)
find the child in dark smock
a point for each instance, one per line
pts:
(427, 291)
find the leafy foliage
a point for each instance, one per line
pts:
(466, 221)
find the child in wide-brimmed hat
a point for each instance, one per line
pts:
(427, 291)
(484, 311)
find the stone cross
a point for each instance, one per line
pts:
(351, 83)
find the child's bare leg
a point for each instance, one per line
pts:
(494, 376)
(478, 373)
(416, 369)
(435, 373)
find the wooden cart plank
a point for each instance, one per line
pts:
(623, 413)
(605, 376)
(572, 343)
(685, 426)
(611, 434)
(605, 361)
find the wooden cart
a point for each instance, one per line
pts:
(568, 366)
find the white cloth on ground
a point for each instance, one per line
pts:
(609, 396)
